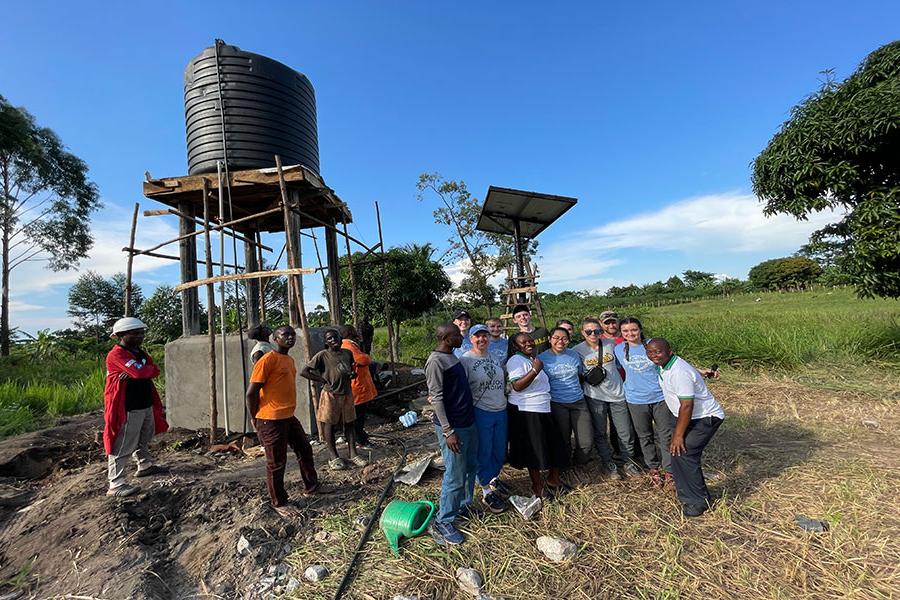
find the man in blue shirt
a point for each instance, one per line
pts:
(454, 424)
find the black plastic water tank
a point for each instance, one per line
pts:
(269, 109)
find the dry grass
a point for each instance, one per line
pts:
(791, 445)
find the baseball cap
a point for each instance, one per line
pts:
(606, 315)
(520, 308)
(463, 314)
(127, 324)
(478, 329)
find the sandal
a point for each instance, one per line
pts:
(359, 461)
(337, 464)
(312, 491)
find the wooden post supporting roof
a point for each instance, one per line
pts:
(187, 254)
(334, 275)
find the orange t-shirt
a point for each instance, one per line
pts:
(362, 385)
(278, 396)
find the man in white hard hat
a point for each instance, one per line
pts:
(133, 412)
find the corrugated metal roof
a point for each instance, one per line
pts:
(534, 211)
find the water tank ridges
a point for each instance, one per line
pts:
(269, 109)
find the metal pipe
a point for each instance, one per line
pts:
(520, 260)
(222, 301)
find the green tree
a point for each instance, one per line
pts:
(161, 312)
(674, 283)
(790, 273)
(486, 254)
(839, 150)
(46, 202)
(96, 303)
(699, 279)
(416, 284)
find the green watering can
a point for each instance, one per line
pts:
(405, 519)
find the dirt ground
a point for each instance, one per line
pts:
(62, 537)
(823, 447)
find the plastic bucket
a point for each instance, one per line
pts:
(405, 519)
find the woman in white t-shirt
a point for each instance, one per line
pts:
(534, 440)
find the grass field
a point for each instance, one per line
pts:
(786, 331)
(801, 372)
(791, 445)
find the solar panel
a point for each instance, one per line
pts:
(533, 211)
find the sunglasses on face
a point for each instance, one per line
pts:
(593, 331)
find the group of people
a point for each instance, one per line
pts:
(544, 406)
(133, 411)
(529, 400)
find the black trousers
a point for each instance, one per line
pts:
(689, 482)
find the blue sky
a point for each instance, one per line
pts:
(650, 115)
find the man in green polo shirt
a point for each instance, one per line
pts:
(697, 418)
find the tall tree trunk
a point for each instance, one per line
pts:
(396, 340)
(4, 266)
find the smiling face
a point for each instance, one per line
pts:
(523, 319)
(591, 332)
(658, 352)
(332, 340)
(496, 329)
(462, 322)
(631, 332)
(480, 341)
(559, 340)
(525, 344)
(611, 327)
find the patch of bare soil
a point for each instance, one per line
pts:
(60, 535)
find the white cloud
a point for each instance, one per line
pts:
(110, 228)
(725, 224)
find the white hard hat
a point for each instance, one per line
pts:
(127, 324)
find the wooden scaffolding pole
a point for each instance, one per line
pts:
(352, 279)
(387, 304)
(296, 308)
(242, 277)
(134, 217)
(210, 319)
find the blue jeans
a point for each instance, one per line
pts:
(491, 443)
(458, 485)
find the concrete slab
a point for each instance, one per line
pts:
(187, 381)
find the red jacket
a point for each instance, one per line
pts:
(119, 360)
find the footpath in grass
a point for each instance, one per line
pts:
(788, 448)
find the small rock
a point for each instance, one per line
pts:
(814, 525)
(871, 423)
(322, 536)
(243, 546)
(469, 580)
(361, 522)
(315, 573)
(279, 570)
(291, 586)
(556, 549)
(527, 507)
(265, 584)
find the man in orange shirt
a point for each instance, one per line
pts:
(271, 400)
(362, 385)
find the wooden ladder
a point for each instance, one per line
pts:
(529, 290)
